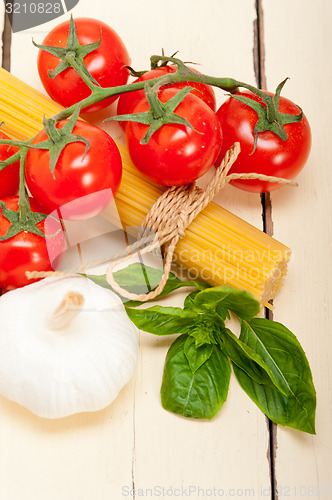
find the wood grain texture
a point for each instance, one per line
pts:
(297, 45)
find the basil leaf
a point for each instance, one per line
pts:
(217, 309)
(138, 278)
(241, 302)
(260, 367)
(162, 320)
(196, 356)
(297, 408)
(195, 394)
(222, 312)
(189, 301)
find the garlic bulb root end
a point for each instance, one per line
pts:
(68, 309)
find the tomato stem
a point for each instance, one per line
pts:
(100, 93)
(23, 203)
(73, 56)
(269, 116)
(154, 103)
(71, 59)
(11, 159)
(182, 74)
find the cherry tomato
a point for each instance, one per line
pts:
(106, 63)
(272, 156)
(28, 251)
(176, 154)
(128, 101)
(9, 176)
(83, 184)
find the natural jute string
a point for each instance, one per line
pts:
(167, 221)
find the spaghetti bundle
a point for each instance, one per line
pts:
(218, 246)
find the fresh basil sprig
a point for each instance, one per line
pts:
(267, 359)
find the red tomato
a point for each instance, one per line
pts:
(272, 156)
(27, 251)
(128, 101)
(9, 176)
(176, 154)
(83, 184)
(106, 64)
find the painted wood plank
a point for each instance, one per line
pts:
(135, 442)
(297, 45)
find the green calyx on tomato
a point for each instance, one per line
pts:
(72, 55)
(270, 156)
(269, 115)
(19, 224)
(78, 60)
(128, 100)
(21, 218)
(58, 138)
(27, 249)
(84, 181)
(176, 154)
(159, 114)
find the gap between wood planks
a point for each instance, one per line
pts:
(259, 67)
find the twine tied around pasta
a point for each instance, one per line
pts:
(167, 221)
(172, 213)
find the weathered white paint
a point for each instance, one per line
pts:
(101, 455)
(302, 219)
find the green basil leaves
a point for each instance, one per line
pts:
(240, 302)
(294, 406)
(195, 382)
(162, 320)
(268, 361)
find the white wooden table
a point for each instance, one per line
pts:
(134, 448)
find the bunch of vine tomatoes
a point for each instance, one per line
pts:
(176, 154)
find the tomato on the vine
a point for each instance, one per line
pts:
(128, 100)
(176, 154)
(272, 156)
(83, 183)
(9, 176)
(106, 64)
(27, 251)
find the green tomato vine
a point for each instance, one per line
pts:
(269, 116)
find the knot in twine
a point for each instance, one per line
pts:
(172, 213)
(168, 219)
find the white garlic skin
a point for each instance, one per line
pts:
(57, 373)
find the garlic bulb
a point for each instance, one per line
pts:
(66, 346)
